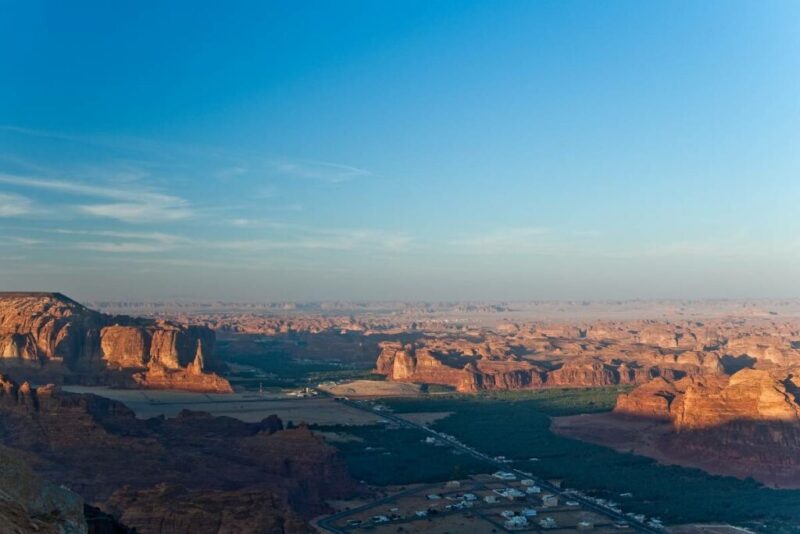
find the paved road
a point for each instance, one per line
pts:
(327, 523)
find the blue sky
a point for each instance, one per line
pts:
(400, 150)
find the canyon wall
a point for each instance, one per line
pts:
(191, 473)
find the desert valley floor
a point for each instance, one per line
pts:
(400, 418)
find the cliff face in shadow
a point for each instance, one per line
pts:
(29, 505)
(48, 337)
(153, 474)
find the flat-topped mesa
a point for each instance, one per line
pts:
(48, 337)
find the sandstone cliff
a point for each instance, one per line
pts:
(747, 424)
(49, 337)
(693, 403)
(521, 363)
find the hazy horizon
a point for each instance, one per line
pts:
(401, 151)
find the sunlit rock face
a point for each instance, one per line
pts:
(747, 424)
(694, 403)
(53, 338)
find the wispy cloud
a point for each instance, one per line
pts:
(14, 205)
(27, 241)
(231, 172)
(126, 242)
(301, 238)
(128, 248)
(133, 205)
(280, 237)
(513, 239)
(139, 213)
(333, 173)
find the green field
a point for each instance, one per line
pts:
(278, 369)
(400, 456)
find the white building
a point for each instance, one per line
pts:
(549, 500)
(547, 522)
(516, 522)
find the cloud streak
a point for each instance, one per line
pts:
(288, 238)
(131, 205)
(333, 173)
(14, 205)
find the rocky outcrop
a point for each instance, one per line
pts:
(30, 505)
(47, 336)
(750, 420)
(749, 395)
(584, 372)
(651, 400)
(171, 509)
(694, 403)
(774, 349)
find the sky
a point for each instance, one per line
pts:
(400, 150)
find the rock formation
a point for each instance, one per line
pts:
(532, 363)
(606, 353)
(694, 403)
(28, 505)
(173, 509)
(750, 420)
(49, 337)
(155, 473)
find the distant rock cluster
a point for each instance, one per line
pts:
(561, 355)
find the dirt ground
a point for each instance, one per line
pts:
(654, 440)
(625, 435)
(372, 388)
